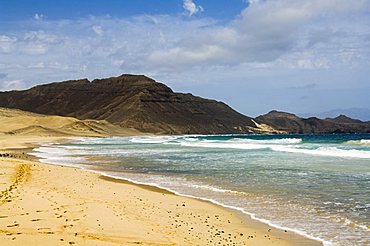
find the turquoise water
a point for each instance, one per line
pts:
(316, 185)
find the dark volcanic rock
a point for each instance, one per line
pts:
(294, 124)
(134, 101)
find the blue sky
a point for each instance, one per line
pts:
(294, 55)
(65, 9)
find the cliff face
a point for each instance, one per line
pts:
(133, 101)
(293, 124)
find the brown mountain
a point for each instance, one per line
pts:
(293, 124)
(131, 101)
(136, 101)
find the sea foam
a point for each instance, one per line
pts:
(362, 142)
(280, 145)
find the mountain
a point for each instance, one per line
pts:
(141, 103)
(355, 113)
(293, 124)
(343, 119)
(132, 101)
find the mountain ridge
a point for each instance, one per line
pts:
(139, 102)
(362, 114)
(132, 101)
(293, 124)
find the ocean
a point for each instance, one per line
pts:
(315, 185)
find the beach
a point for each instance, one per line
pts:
(56, 205)
(185, 122)
(298, 183)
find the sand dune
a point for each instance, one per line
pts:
(21, 129)
(36, 130)
(17, 122)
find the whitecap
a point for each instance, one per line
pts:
(362, 142)
(326, 151)
(153, 139)
(270, 141)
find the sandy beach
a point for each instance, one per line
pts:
(43, 204)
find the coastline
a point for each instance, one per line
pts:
(140, 213)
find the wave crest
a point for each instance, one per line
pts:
(362, 142)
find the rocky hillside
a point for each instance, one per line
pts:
(141, 103)
(131, 101)
(293, 124)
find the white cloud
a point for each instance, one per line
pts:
(34, 49)
(98, 30)
(252, 1)
(264, 32)
(7, 43)
(74, 50)
(12, 85)
(41, 37)
(37, 42)
(267, 36)
(38, 16)
(191, 7)
(38, 65)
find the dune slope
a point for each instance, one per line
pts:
(18, 129)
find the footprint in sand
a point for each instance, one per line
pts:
(13, 225)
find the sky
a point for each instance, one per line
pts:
(300, 56)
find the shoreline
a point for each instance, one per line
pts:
(265, 231)
(249, 217)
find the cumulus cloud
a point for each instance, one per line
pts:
(264, 32)
(37, 42)
(267, 36)
(191, 7)
(66, 49)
